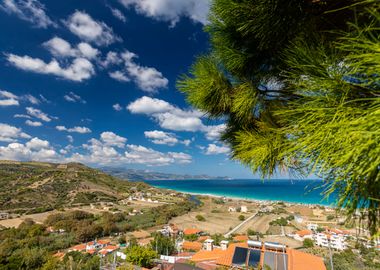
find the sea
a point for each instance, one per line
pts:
(286, 190)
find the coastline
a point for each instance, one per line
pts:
(258, 201)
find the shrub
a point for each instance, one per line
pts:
(308, 243)
(241, 217)
(200, 218)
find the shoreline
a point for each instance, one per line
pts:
(260, 201)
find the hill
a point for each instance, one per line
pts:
(142, 175)
(30, 187)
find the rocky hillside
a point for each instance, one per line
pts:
(28, 187)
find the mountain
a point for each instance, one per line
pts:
(142, 175)
(28, 187)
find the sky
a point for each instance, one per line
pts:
(93, 81)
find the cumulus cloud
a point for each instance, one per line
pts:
(161, 137)
(148, 79)
(22, 116)
(9, 99)
(171, 10)
(107, 151)
(111, 139)
(81, 130)
(214, 149)
(74, 98)
(171, 117)
(10, 133)
(82, 25)
(117, 107)
(80, 69)
(33, 123)
(119, 76)
(28, 10)
(35, 149)
(70, 138)
(61, 48)
(38, 114)
(213, 133)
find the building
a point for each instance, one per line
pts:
(255, 254)
(231, 209)
(190, 246)
(334, 241)
(4, 215)
(303, 234)
(298, 218)
(244, 209)
(312, 227)
(191, 231)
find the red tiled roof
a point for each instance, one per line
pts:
(298, 260)
(302, 233)
(206, 255)
(190, 231)
(80, 247)
(203, 238)
(192, 246)
(241, 238)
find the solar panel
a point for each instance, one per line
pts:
(282, 261)
(240, 256)
(270, 259)
(254, 257)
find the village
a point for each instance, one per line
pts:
(276, 234)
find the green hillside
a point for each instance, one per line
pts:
(30, 187)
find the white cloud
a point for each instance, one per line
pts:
(80, 69)
(118, 14)
(22, 116)
(38, 114)
(33, 123)
(81, 130)
(111, 139)
(171, 10)
(119, 76)
(174, 118)
(161, 137)
(213, 133)
(35, 149)
(147, 79)
(61, 48)
(28, 10)
(9, 99)
(117, 107)
(70, 138)
(214, 149)
(86, 28)
(10, 133)
(74, 98)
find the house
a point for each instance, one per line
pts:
(334, 241)
(298, 218)
(232, 209)
(255, 254)
(191, 231)
(79, 248)
(191, 246)
(4, 215)
(107, 250)
(303, 234)
(312, 226)
(243, 209)
(97, 244)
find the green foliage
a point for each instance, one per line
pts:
(330, 217)
(297, 83)
(348, 260)
(279, 222)
(254, 233)
(141, 256)
(200, 218)
(308, 243)
(162, 244)
(191, 237)
(241, 217)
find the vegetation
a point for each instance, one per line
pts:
(241, 217)
(141, 256)
(279, 222)
(348, 260)
(162, 244)
(200, 218)
(191, 237)
(32, 187)
(308, 243)
(297, 84)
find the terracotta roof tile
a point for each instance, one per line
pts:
(192, 246)
(190, 231)
(206, 255)
(300, 261)
(302, 233)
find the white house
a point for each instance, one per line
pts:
(298, 219)
(334, 241)
(231, 209)
(312, 226)
(244, 209)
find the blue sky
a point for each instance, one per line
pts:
(93, 81)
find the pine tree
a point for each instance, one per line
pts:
(298, 83)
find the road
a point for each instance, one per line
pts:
(239, 226)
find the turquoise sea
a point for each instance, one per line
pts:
(295, 191)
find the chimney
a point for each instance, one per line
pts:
(224, 244)
(209, 244)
